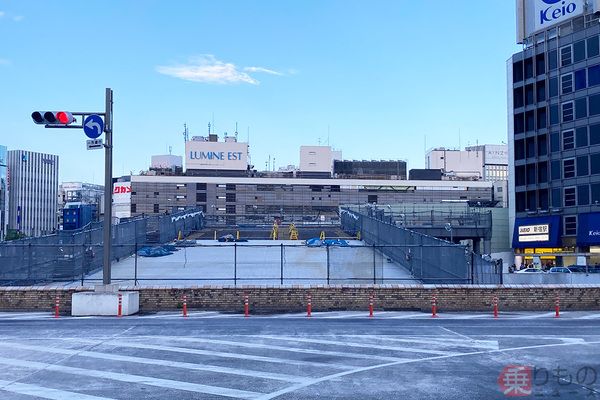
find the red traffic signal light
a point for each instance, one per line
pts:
(52, 117)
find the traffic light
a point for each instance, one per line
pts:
(52, 117)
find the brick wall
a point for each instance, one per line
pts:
(350, 297)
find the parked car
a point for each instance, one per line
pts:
(578, 268)
(529, 270)
(556, 270)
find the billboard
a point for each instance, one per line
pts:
(538, 15)
(121, 200)
(496, 154)
(216, 155)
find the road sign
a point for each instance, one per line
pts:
(94, 144)
(93, 126)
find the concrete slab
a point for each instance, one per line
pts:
(104, 303)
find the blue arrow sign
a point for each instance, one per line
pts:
(93, 126)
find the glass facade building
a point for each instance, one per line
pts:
(554, 140)
(3, 192)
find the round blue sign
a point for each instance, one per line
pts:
(93, 126)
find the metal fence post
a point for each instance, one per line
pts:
(135, 268)
(282, 263)
(328, 262)
(83, 263)
(29, 262)
(235, 264)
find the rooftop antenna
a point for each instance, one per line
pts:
(185, 134)
(170, 150)
(236, 132)
(213, 123)
(459, 138)
(327, 134)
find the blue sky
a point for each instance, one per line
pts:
(381, 79)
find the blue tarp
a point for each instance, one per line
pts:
(157, 251)
(316, 242)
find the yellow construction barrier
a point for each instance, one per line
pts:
(180, 236)
(358, 235)
(275, 232)
(293, 232)
(322, 237)
(237, 235)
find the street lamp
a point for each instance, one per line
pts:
(448, 227)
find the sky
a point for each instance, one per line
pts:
(376, 79)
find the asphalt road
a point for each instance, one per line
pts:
(399, 355)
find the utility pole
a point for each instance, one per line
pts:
(108, 187)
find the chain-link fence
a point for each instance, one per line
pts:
(429, 259)
(69, 255)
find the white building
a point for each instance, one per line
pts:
(32, 191)
(167, 161)
(317, 160)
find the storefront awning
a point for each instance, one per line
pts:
(531, 232)
(588, 229)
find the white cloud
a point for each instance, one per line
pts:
(2, 14)
(4, 61)
(18, 18)
(261, 69)
(207, 68)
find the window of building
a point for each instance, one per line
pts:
(518, 100)
(133, 207)
(569, 168)
(155, 209)
(520, 202)
(552, 87)
(529, 121)
(592, 47)
(594, 134)
(156, 193)
(580, 79)
(581, 137)
(542, 142)
(594, 104)
(372, 198)
(570, 197)
(581, 108)
(570, 225)
(230, 186)
(530, 147)
(528, 68)
(566, 56)
(519, 175)
(555, 170)
(230, 209)
(230, 197)
(566, 83)
(594, 75)
(335, 188)
(556, 198)
(553, 114)
(531, 174)
(582, 166)
(595, 192)
(531, 200)
(542, 171)
(567, 111)
(579, 51)
(518, 71)
(543, 199)
(519, 149)
(541, 118)
(529, 98)
(568, 140)
(554, 142)
(583, 195)
(540, 91)
(552, 61)
(201, 197)
(179, 196)
(200, 186)
(540, 64)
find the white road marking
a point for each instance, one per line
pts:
(346, 315)
(121, 343)
(179, 315)
(137, 379)
(457, 334)
(45, 392)
(153, 361)
(299, 386)
(535, 316)
(407, 316)
(592, 316)
(352, 344)
(272, 347)
(435, 340)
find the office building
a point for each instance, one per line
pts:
(554, 131)
(80, 193)
(32, 192)
(487, 162)
(374, 169)
(3, 192)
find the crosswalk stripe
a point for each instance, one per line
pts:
(45, 392)
(352, 344)
(436, 341)
(154, 361)
(121, 343)
(592, 316)
(281, 348)
(535, 316)
(137, 379)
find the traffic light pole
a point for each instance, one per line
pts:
(108, 187)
